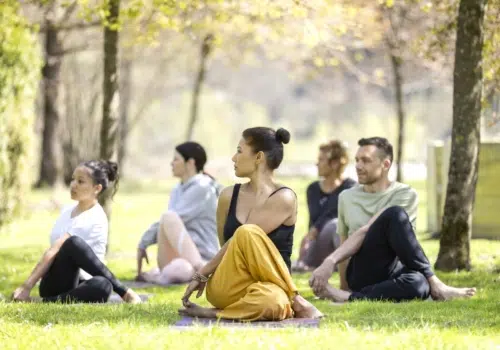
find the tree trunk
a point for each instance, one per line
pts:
(111, 98)
(454, 249)
(396, 63)
(125, 97)
(50, 160)
(206, 48)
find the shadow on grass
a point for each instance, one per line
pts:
(479, 313)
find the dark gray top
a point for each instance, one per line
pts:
(323, 206)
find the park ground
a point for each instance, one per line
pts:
(459, 324)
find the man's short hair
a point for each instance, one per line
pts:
(382, 144)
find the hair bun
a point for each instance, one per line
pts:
(112, 170)
(283, 136)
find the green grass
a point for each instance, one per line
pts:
(472, 324)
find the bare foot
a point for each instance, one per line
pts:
(131, 297)
(444, 292)
(301, 267)
(334, 294)
(197, 311)
(304, 309)
(140, 278)
(30, 300)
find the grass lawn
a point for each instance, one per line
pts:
(471, 324)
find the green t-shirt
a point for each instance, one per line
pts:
(357, 207)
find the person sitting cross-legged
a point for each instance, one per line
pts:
(322, 201)
(72, 269)
(377, 225)
(249, 278)
(186, 234)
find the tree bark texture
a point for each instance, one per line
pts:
(111, 98)
(396, 63)
(50, 157)
(454, 249)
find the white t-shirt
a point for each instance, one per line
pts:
(91, 226)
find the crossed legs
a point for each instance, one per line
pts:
(389, 264)
(61, 283)
(178, 257)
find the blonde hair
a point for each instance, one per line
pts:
(337, 151)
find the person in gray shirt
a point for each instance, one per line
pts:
(186, 233)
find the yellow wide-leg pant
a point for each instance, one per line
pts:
(252, 281)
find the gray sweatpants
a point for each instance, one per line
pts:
(325, 243)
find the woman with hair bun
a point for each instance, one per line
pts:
(249, 278)
(72, 269)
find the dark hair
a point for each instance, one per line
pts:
(382, 144)
(103, 172)
(336, 151)
(268, 141)
(193, 150)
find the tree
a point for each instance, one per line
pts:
(373, 28)
(19, 73)
(56, 21)
(50, 160)
(396, 18)
(231, 27)
(111, 98)
(454, 250)
(205, 50)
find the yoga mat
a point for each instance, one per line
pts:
(139, 285)
(186, 321)
(115, 298)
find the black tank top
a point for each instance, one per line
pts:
(282, 237)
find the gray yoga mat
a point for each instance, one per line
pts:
(144, 285)
(186, 322)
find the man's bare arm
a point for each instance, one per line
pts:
(342, 270)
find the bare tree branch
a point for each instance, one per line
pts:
(354, 69)
(69, 12)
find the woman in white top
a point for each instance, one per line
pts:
(71, 270)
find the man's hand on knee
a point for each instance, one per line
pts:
(320, 276)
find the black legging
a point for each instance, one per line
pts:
(390, 265)
(61, 282)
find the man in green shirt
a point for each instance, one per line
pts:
(376, 222)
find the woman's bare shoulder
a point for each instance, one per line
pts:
(285, 195)
(226, 193)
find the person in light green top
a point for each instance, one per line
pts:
(357, 207)
(376, 223)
